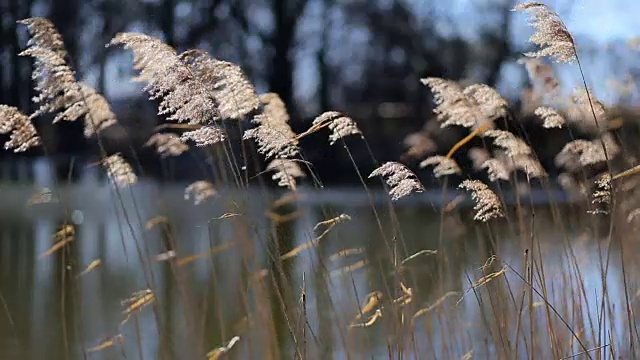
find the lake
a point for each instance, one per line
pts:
(546, 281)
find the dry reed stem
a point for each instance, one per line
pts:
(94, 264)
(349, 268)
(218, 352)
(214, 250)
(330, 223)
(372, 302)
(138, 301)
(226, 216)
(479, 130)
(165, 256)
(421, 252)
(482, 281)
(288, 198)
(116, 340)
(468, 355)
(57, 246)
(453, 204)
(279, 219)
(632, 171)
(345, 253)
(372, 320)
(406, 298)
(62, 237)
(432, 307)
(155, 221)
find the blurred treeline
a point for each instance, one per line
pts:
(362, 57)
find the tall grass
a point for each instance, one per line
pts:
(550, 280)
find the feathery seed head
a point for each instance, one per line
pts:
(119, 171)
(443, 165)
(340, 125)
(509, 142)
(487, 204)
(57, 85)
(601, 197)
(529, 165)
(401, 180)
(488, 100)
(274, 110)
(550, 117)
(204, 136)
(273, 133)
(579, 153)
(235, 96)
(420, 144)
(44, 34)
(286, 172)
(496, 169)
(326, 117)
(167, 144)
(274, 141)
(92, 106)
(200, 191)
(581, 112)
(551, 34)
(452, 105)
(23, 133)
(478, 157)
(183, 96)
(541, 76)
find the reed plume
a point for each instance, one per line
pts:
(119, 171)
(273, 133)
(529, 165)
(199, 191)
(443, 165)
(602, 193)
(340, 125)
(452, 105)
(487, 204)
(59, 91)
(551, 34)
(204, 136)
(401, 180)
(478, 157)
(183, 97)
(496, 169)
(167, 144)
(509, 142)
(286, 172)
(234, 95)
(491, 104)
(579, 153)
(550, 117)
(541, 76)
(586, 111)
(419, 144)
(23, 134)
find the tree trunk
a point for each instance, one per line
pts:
(281, 76)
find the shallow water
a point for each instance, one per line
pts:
(51, 310)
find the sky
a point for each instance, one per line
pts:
(605, 20)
